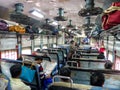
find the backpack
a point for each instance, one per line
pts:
(29, 29)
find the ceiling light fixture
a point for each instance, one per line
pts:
(60, 16)
(55, 23)
(37, 4)
(70, 24)
(29, 1)
(37, 13)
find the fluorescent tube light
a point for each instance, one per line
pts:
(37, 13)
(54, 23)
(29, 1)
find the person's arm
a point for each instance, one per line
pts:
(26, 87)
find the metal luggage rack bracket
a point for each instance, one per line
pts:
(111, 32)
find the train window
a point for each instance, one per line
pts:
(26, 51)
(11, 54)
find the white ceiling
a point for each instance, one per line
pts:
(50, 8)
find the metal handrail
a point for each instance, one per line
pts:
(65, 77)
(72, 62)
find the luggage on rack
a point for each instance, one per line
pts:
(29, 29)
(96, 31)
(3, 25)
(111, 16)
(17, 28)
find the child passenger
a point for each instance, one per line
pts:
(15, 82)
(43, 77)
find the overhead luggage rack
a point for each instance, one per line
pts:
(111, 32)
(7, 34)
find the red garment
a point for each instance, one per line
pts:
(33, 53)
(102, 50)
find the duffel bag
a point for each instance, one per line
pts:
(3, 25)
(111, 16)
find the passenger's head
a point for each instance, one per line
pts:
(65, 72)
(15, 70)
(108, 65)
(38, 59)
(38, 50)
(72, 42)
(97, 79)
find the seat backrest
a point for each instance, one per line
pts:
(54, 56)
(52, 87)
(66, 86)
(72, 63)
(60, 54)
(73, 87)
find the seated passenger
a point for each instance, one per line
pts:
(36, 52)
(102, 49)
(65, 72)
(108, 64)
(44, 78)
(15, 82)
(86, 40)
(89, 50)
(101, 56)
(97, 79)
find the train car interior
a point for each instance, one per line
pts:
(59, 44)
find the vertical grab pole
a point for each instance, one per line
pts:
(32, 43)
(107, 51)
(52, 41)
(48, 43)
(56, 40)
(19, 42)
(41, 41)
(113, 51)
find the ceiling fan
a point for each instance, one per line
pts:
(89, 9)
(70, 24)
(60, 16)
(21, 18)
